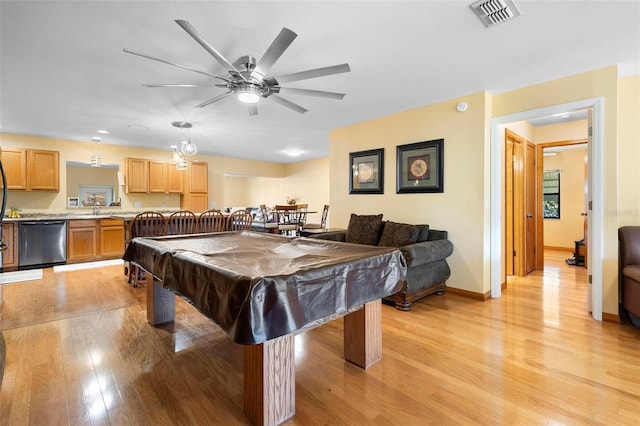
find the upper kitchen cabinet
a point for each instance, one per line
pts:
(31, 169)
(43, 170)
(136, 175)
(164, 178)
(196, 197)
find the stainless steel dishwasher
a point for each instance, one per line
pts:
(42, 243)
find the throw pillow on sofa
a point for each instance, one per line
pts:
(364, 229)
(398, 234)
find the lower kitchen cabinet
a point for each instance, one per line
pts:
(10, 238)
(82, 240)
(94, 239)
(111, 238)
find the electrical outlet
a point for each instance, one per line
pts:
(137, 204)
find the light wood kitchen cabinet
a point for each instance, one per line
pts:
(82, 240)
(10, 238)
(175, 179)
(94, 239)
(164, 178)
(15, 168)
(158, 171)
(111, 238)
(31, 169)
(136, 175)
(198, 173)
(196, 194)
(43, 170)
(197, 203)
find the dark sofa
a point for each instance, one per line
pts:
(425, 250)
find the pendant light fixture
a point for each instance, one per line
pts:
(185, 146)
(96, 159)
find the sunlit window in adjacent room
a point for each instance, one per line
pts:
(551, 194)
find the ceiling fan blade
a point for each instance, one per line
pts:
(193, 33)
(288, 104)
(212, 100)
(277, 48)
(169, 63)
(318, 93)
(317, 72)
(180, 85)
(253, 109)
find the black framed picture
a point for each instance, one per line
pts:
(367, 172)
(419, 167)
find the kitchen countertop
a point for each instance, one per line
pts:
(71, 216)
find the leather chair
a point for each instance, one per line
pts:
(629, 239)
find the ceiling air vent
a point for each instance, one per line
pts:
(494, 12)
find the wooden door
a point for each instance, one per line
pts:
(531, 210)
(509, 231)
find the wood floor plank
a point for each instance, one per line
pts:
(80, 352)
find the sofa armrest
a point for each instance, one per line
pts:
(339, 236)
(426, 252)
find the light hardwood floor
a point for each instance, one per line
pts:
(80, 352)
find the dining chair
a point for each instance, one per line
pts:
(323, 220)
(301, 215)
(181, 222)
(239, 220)
(287, 223)
(269, 225)
(145, 224)
(211, 221)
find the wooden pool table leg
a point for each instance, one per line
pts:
(270, 381)
(161, 303)
(363, 335)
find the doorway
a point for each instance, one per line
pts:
(563, 183)
(596, 213)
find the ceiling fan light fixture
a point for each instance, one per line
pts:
(248, 95)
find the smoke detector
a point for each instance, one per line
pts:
(494, 12)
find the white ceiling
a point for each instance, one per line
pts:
(64, 74)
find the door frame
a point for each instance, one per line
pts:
(596, 166)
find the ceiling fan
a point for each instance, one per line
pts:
(249, 80)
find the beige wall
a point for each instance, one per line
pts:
(459, 209)
(463, 207)
(628, 208)
(565, 231)
(308, 179)
(603, 84)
